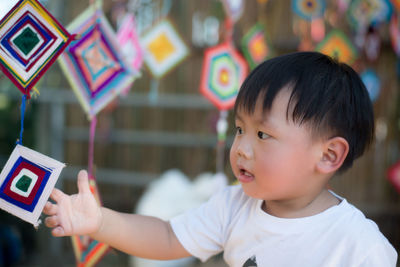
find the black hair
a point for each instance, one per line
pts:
(326, 95)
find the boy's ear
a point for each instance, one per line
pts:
(334, 153)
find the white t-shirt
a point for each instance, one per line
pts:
(235, 223)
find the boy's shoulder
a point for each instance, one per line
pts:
(357, 227)
(360, 235)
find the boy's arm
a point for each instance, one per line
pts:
(138, 235)
(142, 236)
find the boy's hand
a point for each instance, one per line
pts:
(77, 214)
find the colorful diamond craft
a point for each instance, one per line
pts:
(234, 8)
(94, 66)
(31, 39)
(164, 49)
(255, 45)
(26, 182)
(224, 70)
(309, 9)
(362, 13)
(129, 41)
(372, 83)
(88, 252)
(338, 46)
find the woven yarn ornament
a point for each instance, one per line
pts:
(129, 41)
(94, 65)
(338, 46)
(31, 39)
(256, 47)
(309, 9)
(164, 48)
(224, 70)
(26, 182)
(362, 13)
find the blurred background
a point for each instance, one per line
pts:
(165, 123)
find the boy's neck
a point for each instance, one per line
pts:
(301, 207)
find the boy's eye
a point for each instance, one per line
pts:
(262, 135)
(239, 130)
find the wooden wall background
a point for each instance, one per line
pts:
(365, 185)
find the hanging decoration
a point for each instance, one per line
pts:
(164, 49)
(309, 9)
(362, 13)
(256, 46)
(94, 66)
(31, 39)
(89, 252)
(372, 83)
(98, 73)
(148, 15)
(234, 8)
(26, 182)
(224, 70)
(128, 39)
(338, 46)
(365, 17)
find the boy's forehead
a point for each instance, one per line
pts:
(262, 113)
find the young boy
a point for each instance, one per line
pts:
(299, 119)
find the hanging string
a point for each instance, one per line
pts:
(91, 146)
(153, 94)
(23, 105)
(229, 25)
(93, 4)
(222, 126)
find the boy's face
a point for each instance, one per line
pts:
(272, 157)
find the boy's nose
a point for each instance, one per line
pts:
(244, 150)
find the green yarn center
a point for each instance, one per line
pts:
(23, 183)
(26, 41)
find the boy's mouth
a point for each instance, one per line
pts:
(245, 176)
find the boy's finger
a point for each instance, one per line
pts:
(51, 221)
(50, 208)
(58, 231)
(56, 195)
(83, 182)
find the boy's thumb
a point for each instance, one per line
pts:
(83, 182)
